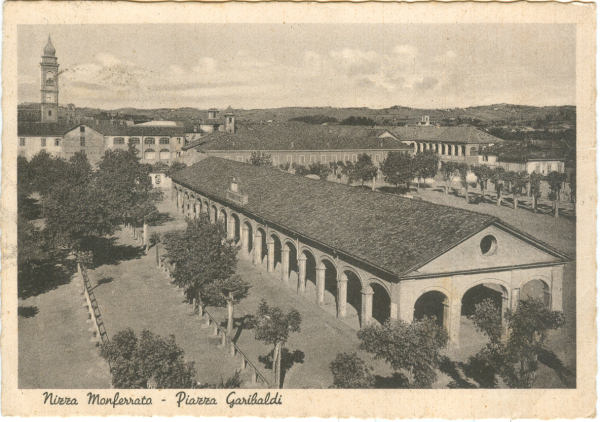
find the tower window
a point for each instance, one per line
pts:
(49, 112)
(82, 128)
(82, 141)
(22, 142)
(57, 142)
(43, 142)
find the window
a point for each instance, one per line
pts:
(82, 128)
(323, 158)
(118, 141)
(345, 157)
(289, 158)
(134, 141)
(239, 158)
(149, 141)
(22, 142)
(354, 157)
(313, 158)
(164, 154)
(82, 141)
(164, 141)
(57, 142)
(49, 112)
(488, 245)
(377, 158)
(301, 159)
(43, 142)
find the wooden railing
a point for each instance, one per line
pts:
(234, 349)
(93, 309)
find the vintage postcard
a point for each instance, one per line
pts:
(375, 210)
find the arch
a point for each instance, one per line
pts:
(206, 207)
(486, 289)
(237, 233)
(536, 288)
(223, 218)
(353, 297)
(149, 154)
(381, 302)
(164, 154)
(213, 213)
(433, 303)
(292, 270)
(331, 276)
(250, 234)
(260, 231)
(277, 251)
(311, 272)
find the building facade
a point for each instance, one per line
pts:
(421, 259)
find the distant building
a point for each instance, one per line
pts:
(450, 143)
(153, 143)
(297, 143)
(538, 163)
(197, 128)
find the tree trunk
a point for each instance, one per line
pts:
(230, 315)
(200, 306)
(498, 199)
(556, 202)
(467, 192)
(534, 204)
(277, 364)
(157, 259)
(373, 185)
(515, 201)
(418, 184)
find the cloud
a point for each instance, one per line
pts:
(426, 83)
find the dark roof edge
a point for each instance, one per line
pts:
(483, 270)
(260, 218)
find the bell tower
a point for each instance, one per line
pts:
(49, 89)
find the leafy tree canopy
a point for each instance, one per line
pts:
(414, 348)
(350, 371)
(147, 361)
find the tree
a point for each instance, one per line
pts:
(200, 254)
(75, 212)
(516, 183)
(350, 371)
(146, 361)
(126, 186)
(483, 174)
(175, 167)
(319, 169)
(463, 171)
(397, 168)
(154, 241)
(273, 326)
(348, 171)
(425, 165)
(535, 182)
(487, 319)
(46, 171)
(299, 169)
(225, 292)
(515, 359)
(413, 347)
(363, 169)
(497, 178)
(573, 185)
(259, 158)
(555, 180)
(285, 166)
(448, 171)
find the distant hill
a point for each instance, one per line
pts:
(485, 116)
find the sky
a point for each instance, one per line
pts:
(279, 65)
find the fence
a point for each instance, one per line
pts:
(234, 350)
(93, 309)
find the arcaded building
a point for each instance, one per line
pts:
(368, 256)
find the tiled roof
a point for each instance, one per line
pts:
(456, 134)
(393, 233)
(42, 129)
(105, 128)
(299, 136)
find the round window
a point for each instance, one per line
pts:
(488, 245)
